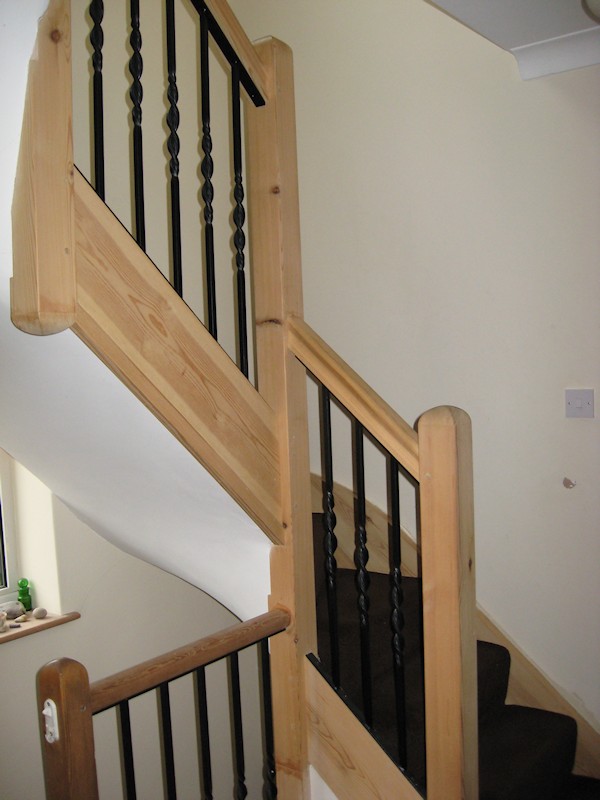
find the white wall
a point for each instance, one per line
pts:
(450, 242)
(130, 611)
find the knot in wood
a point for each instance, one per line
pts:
(56, 35)
(276, 190)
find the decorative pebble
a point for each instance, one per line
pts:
(39, 613)
(13, 609)
(22, 618)
(14, 625)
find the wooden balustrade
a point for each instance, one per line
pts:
(69, 762)
(65, 240)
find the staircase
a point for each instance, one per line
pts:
(524, 753)
(101, 286)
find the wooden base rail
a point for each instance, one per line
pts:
(344, 754)
(63, 685)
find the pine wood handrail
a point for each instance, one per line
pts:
(393, 432)
(229, 24)
(149, 674)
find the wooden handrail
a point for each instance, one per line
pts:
(229, 24)
(388, 427)
(135, 680)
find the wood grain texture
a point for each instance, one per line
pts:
(131, 318)
(244, 48)
(43, 291)
(448, 574)
(149, 674)
(275, 254)
(69, 762)
(344, 753)
(355, 394)
(37, 625)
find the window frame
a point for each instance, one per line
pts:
(8, 544)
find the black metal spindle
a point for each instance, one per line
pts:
(269, 771)
(397, 617)
(97, 42)
(127, 750)
(330, 539)
(167, 742)
(136, 95)
(173, 147)
(207, 168)
(361, 557)
(238, 737)
(239, 216)
(204, 734)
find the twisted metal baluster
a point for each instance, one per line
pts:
(269, 773)
(361, 556)
(241, 792)
(136, 94)
(97, 42)
(206, 168)
(397, 617)
(330, 539)
(239, 216)
(173, 147)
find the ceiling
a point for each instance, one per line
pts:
(545, 36)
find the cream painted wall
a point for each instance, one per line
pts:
(451, 249)
(130, 611)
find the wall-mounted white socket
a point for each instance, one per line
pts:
(579, 403)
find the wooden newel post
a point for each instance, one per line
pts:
(43, 288)
(68, 752)
(275, 247)
(448, 570)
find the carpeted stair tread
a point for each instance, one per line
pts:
(581, 788)
(511, 768)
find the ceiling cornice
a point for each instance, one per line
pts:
(545, 36)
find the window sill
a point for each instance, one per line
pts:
(35, 625)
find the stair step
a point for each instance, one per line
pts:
(580, 788)
(526, 754)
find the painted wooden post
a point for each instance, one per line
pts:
(448, 570)
(275, 261)
(69, 762)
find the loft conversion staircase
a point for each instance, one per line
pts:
(77, 268)
(524, 753)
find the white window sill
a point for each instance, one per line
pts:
(35, 625)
